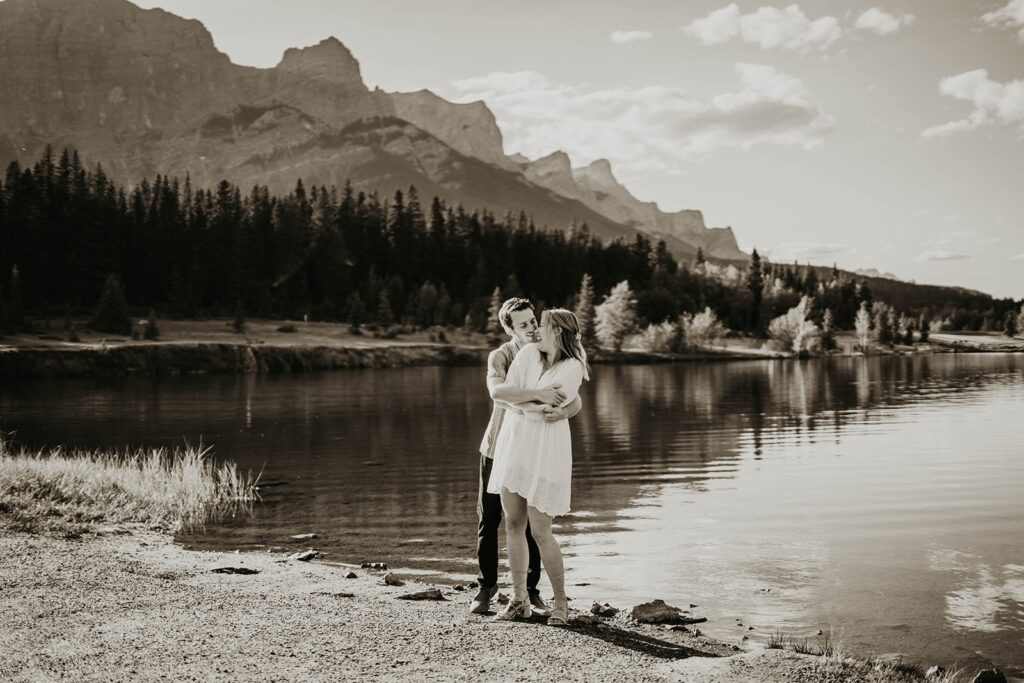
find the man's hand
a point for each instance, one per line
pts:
(552, 395)
(554, 414)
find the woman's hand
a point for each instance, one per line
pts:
(552, 395)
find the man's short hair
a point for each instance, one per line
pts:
(514, 304)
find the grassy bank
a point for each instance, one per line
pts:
(71, 493)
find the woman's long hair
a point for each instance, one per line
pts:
(567, 337)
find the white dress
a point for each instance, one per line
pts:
(532, 457)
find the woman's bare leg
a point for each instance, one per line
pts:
(550, 553)
(516, 518)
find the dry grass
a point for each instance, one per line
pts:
(841, 666)
(836, 664)
(70, 493)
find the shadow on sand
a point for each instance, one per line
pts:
(637, 642)
(627, 639)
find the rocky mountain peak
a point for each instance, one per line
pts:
(557, 163)
(598, 171)
(468, 127)
(555, 173)
(328, 60)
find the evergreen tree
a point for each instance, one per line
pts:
(755, 283)
(355, 311)
(385, 314)
(585, 312)
(443, 312)
(699, 259)
(1010, 323)
(810, 284)
(493, 322)
(16, 303)
(3, 313)
(884, 329)
(828, 333)
(426, 304)
(111, 313)
(908, 332)
(616, 317)
(925, 327)
(1020, 320)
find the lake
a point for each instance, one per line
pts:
(880, 499)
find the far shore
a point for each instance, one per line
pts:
(268, 346)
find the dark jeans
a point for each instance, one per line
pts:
(488, 510)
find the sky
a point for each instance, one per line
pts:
(885, 134)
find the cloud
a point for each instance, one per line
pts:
(1018, 257)
(804, 251)
(881, 22)
(650, 128)
(1011, 16)
(630, 36)
(770, 27)
(994, 102)
(940, 255)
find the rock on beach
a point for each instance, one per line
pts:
(657, 612)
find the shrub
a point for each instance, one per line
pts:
(794, 331)
(616, 317)
(701, 330)
(152, 330)
(662, 338)
(862, 326)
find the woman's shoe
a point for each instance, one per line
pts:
(559, 616)
(516, 609)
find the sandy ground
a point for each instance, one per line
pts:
(134, 606)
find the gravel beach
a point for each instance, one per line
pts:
(132, 605)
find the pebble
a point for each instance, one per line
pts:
(392, 580)
(305, 555)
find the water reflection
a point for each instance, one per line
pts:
(835, 493)
(983, 598)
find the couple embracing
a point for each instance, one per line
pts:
(526, 455)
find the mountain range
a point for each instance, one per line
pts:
(144, 92)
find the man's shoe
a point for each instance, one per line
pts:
(482, 601)
(538, 605)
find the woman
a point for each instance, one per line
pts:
(533, 459)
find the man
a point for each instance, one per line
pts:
(519, 321)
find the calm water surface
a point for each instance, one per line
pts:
(880, 498)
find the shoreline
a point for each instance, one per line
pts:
(127, 603)
(205, 347)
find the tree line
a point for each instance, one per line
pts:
(342, 255)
